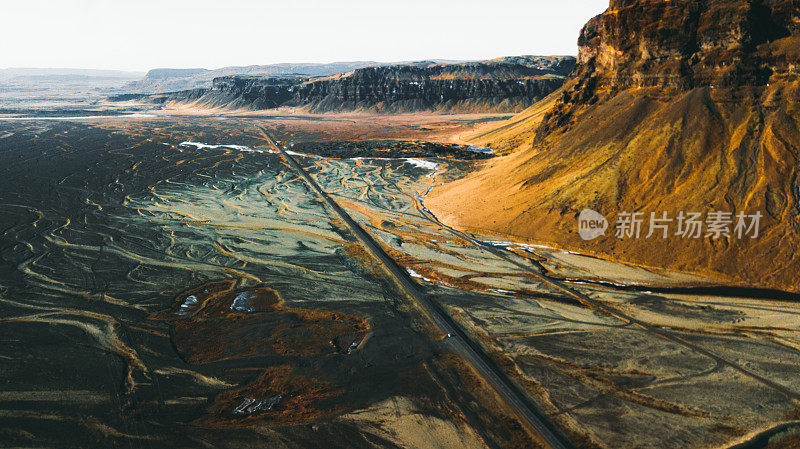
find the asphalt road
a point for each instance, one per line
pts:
(459, 339)
(599, 305)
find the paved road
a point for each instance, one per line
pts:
(459, 339)
(599, 305)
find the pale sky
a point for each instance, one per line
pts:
(143, 34)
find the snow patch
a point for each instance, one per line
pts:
(241, 303)
(187, 305)
(79, 117)
(428, 165)
(413, 273)
(203, 146)
(482, 150)
(294, 153)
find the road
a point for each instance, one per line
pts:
(459, 339)
(599, 305)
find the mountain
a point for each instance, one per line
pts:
(678, 105)
(24, 88)
(24, 73)
(502, 85)
(168, 80)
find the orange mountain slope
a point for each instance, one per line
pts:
(675, 106)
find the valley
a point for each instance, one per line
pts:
(539, 251)
(231, 295)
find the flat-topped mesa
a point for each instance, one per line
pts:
(252, 92)
(414, 87)
(500, 85)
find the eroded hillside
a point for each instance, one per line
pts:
(674, 106)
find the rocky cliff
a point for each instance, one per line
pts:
(687, 44)
(168, 80)
(483, 86)
(677, 46)
(502, 85)
(679, 105)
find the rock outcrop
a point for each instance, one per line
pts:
(168, 80)
(483, 86)
(686, 44)
(502, 85)
(679, 105)
(680, 45)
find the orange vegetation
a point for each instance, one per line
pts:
(629, 132)
(211, 331)
(300, 402)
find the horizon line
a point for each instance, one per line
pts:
(279, 63)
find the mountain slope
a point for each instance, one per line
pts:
(674, 106)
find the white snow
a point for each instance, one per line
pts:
(241, 303)
(201, 146)
(421, 163)
(428, 165)
(483, 150)
(413, 273)
(294, 153)
(188, 304)
(81, 117)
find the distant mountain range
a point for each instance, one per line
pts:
(170, 80)
(500, 85)
(507, 84)
(44, 87)
(20, 73)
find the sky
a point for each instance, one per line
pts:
(138, 35)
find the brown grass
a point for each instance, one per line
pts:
(301, 402)
(211, 331)
(702, 150)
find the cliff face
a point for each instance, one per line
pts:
(253, 92)
(686, 43)
(502, 87)
(679, 45)
(678, 105)
(507, 84)
(168, 80)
